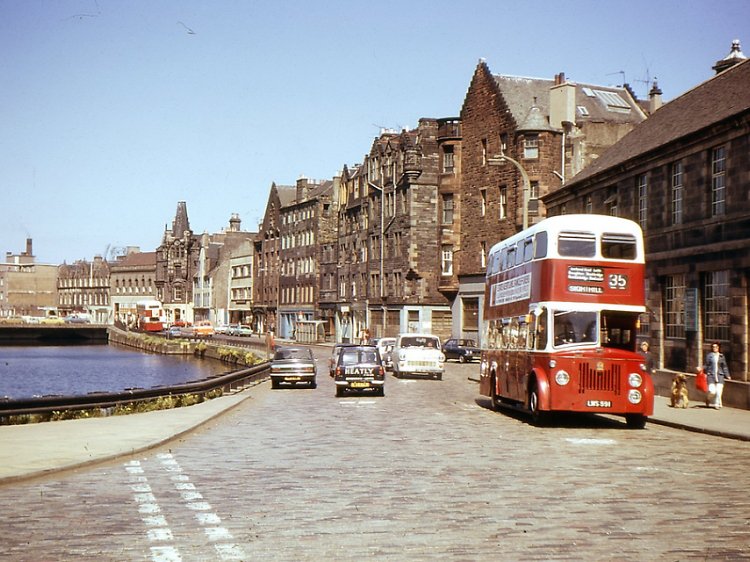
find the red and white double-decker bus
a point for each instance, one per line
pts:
(561, 309)
(150, 316)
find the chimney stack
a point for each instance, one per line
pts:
(654, 98)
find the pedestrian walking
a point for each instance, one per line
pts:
(715, 367)
(648, 359)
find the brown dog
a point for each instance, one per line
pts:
(679, 397)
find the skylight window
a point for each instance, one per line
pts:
(613, 101)
(583, 111)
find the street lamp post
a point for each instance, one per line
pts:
(499, 159)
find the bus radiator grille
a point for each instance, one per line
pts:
(590, 378)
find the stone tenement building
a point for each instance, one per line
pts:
(131, 279)
(684, 176)
(83, 288)
(389, 239)
(298, 222)
(552, 128)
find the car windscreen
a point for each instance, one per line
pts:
(292, 354)
(418, 341)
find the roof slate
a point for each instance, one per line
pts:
(521, 93)
(719, 98)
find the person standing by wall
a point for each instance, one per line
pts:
(717, 371)
(648, 359)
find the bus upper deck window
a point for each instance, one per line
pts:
(540, 248)
(528, 249)
(577, 244)
(510, 260)
(618, 246)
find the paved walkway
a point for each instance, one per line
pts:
(43, 448)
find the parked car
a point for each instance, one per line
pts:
(174, 332)
(418, 355)
(385, 348)
(76, 319)
(242, 330)
(221, 329)
(12, 320)
(203, 329)
(359, 368)
(334, 359)
(52, 320)
(463, 350)
(293, 365)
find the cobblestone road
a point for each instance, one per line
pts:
(428, 472)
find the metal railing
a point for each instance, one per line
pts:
(102, 400)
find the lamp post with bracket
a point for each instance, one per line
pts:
(497, 161)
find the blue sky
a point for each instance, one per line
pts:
(113, 111)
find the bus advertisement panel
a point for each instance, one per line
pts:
(562, 305)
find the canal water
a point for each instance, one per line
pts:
(79, 369)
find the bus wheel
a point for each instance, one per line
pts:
(635, 421)
(493, 394)
(537, 415)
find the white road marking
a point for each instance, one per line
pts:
(591, 441)
(165, 554)
(157, 530)
(210, 522)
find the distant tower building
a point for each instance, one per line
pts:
(175, 259)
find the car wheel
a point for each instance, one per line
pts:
(339, 391)
(274, 384)
(313, 384)
(462, 359)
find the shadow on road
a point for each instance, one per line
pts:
(573, 420)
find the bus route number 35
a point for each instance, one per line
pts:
(618, 281)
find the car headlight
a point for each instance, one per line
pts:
(635, 380)
(562, 378)
(634, 396)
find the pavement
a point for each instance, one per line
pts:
(45, 448)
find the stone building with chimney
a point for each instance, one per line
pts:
(27, 288)
(549, 129)
(683, 175)
(389, 239)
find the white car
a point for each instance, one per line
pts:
(418, 355)
(385, 347)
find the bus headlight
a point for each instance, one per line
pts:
(635, 380)
(562, 378)
(634, 396)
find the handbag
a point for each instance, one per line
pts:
(701, 382)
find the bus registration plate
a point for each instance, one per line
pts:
(599, 404)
